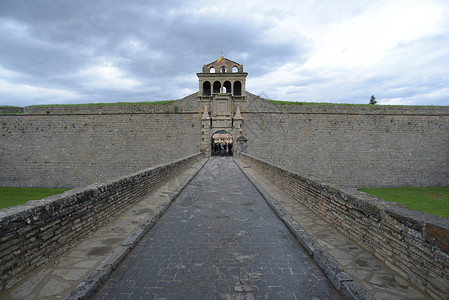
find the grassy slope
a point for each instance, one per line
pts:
(15, 196)
(434, 200)
(431, 200)
(110, 104)
(280, 102)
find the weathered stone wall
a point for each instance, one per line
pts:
(32, 233)
(413, 243)
(363, 146)
(11, 110)
(359, 146)
(70, 146)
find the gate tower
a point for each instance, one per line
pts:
(221, 94)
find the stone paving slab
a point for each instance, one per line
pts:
(218, 240)
(102, 251)
(319, 236)
(99, 251)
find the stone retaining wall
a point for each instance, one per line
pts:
(32, 233)
(11, 110)
(78, 147)
(413, 243)
(363, 146)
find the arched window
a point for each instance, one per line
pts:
(217, 87)
(223, 69)
(237, 88)
(212, 70)
(227, 86)
(235, 69)
(206, 88)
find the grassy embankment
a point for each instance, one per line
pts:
(163, 102)
(11, 196)
(16, 196)
(432, 200)
(281, 102)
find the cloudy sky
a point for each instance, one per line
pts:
(342, 51)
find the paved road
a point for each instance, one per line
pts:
(219, 240)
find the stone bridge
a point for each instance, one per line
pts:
(220, 228)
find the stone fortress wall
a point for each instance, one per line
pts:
(358, 146)
(71, 146)
(315, 152)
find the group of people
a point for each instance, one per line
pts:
(222, 148)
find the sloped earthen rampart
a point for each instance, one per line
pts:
(32, 233)
(413, 243)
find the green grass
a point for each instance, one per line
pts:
(433, 200)
(11, 196)
(340, 104)
(280, 102)
(11, 113)
(109, 104)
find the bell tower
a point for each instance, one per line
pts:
(222, 92)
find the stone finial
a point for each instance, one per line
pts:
(238, 116)
(205, 114)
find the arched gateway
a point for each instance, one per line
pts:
(221, 144)
(221, 94)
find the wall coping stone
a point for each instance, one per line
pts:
(364, 203)
(327, 109)
(373, 205)
(95, 189)
(333, 271)
(412, 243)
(38, 230)
(181, 107)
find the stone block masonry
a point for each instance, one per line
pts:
(413, 243)
(73, 146)
(356, 146)
(32, 233)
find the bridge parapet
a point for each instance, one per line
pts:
(32, 233)
(413, 243)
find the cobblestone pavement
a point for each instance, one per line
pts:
(377, 279)
(59, 277)
(219, 240)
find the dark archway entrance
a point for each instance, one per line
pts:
(221, 144)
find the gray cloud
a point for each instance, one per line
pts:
(103, 51)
